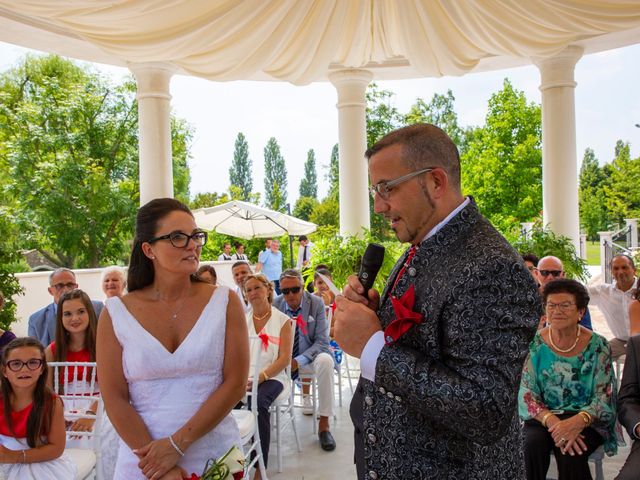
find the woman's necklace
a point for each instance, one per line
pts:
(263, 317)
(561, 349)
(174, 314)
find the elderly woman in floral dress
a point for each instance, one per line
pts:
(567, 388)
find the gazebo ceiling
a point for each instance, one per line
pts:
(301, 41)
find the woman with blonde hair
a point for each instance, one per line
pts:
(276, 334)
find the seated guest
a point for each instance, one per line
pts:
(615, 301)
(42, 324)
(276, 333)
(240, 271)
(321, 289)
(311, 353)
(32, 436)
(531, 262)
(550, 268)
(629, 408)
(5, 335)
(114, 281)
(207, 274)
(566, 389)
(76, 327)
(634, 310)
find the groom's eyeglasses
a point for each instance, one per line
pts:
(287, 291)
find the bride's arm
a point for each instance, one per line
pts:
(114, 388)
(158, 454)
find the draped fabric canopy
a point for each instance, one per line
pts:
(301, 41)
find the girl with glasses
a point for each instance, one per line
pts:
(32, 434)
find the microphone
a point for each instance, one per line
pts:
(370, 266)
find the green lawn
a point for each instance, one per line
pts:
(593, 253)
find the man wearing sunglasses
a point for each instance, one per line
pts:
(42, 324)
(311, 353)
(551, 268)
(442, 350)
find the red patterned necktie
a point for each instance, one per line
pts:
(412, 252)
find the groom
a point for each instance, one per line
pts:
(442, 350)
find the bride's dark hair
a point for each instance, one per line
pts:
(141, 271)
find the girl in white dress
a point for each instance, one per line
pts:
(173, 354)
(32, 434)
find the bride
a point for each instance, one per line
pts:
(172, 354)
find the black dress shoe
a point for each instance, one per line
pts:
(326, 441)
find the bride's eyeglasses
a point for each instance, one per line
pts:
(181, 240)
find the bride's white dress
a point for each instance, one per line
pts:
(167, 389)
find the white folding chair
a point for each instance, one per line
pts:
(79, 391)
(247, 420)
(283, 405)
(310, 380)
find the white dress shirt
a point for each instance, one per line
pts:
(614, 305)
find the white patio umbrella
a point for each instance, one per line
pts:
(245, 220)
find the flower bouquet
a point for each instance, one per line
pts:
(230, 466)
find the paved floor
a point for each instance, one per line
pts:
(315, 464)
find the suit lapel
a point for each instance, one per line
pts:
(50, 321)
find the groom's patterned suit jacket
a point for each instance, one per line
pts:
(444, 402)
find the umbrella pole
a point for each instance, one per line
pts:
(291, 250)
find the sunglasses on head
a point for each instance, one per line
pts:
(546, 273)
(287, 291)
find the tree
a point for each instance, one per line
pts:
(9, 286)
(208, 199)
(181, 135)
(326, 213)
(502, 166)
(305, 207)
(68, 140)
(593, 212)
(275, 178)
(381, 116)
(440, 112)
(333, 176)
(309, 182)
(240, 170)
(621, 191)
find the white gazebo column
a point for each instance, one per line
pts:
(154, 124)
(352, 136)
(559, 163)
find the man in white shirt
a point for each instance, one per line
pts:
(304, 252)
(613, 301)
(239, 253)
(225, 256)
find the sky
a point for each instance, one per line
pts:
(300, 118)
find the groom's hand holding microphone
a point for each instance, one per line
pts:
(355, 316)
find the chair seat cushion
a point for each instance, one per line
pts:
(246, 422)
(84, 460)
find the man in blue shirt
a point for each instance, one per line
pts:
(270, 263)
